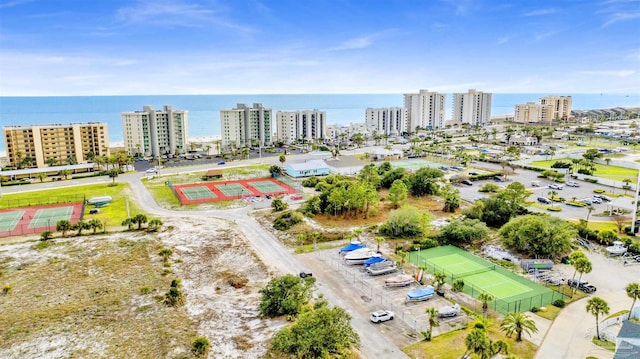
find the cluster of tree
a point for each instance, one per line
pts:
(287, 220)
(539, 235)
(500, 208)
(318, 331)
(140, 219)
(463, 232)
(63, 226)
(406, 221)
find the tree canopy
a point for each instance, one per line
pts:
(285, 295)
(463, 232)
(539, 235)
(320, 332)
(425, 181)
(407, 221)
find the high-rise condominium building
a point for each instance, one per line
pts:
(246, 126)
(529, 112)
(390, 121)
(473, 108)
(301, 125)
(555, 108)
(425, 110)
(547, 110)
(49, 145)
(155, 133)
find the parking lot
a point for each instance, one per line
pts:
(527, 177)
(369, 294)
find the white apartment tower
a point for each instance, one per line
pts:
(424, 110)
(555, 108)
(473, 108)
(246, 126)
(155, 133)
(390, 121)
(304, 125)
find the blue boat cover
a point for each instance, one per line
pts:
(421, 293)
(352, 247)
(373, 260)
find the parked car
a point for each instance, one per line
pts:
(443, 168)
(582, 285)
(151, 170)
(498, 178)
(602, 197)
(221, 162)
(587, 201)
(380, 316)
(305, 274)
(535, 183)
(555, 186)
(544, 200)
(449, 311)
(573, 184)
(467, 182)
(473, 173)
(595, 200)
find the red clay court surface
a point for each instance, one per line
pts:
(37, 219)
(194, 193)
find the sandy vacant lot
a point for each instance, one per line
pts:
(101, 296)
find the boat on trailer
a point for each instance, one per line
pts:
(420, 294)
(359, 256)
(618, 248)
(400, 280)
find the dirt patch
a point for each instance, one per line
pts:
(101, 296)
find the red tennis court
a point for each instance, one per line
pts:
(194, 193)
(37, 219)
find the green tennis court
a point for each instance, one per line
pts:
(266, 186)
(511, 291)
(199, 192)
(9, 220)
(233, 189)
(50, 216)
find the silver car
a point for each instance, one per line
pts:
(380, 316)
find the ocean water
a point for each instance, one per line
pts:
(204, 115)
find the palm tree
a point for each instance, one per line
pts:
(51, 161)
(403, 256)
(439, 278)
(95, 224)
(80, 226)
(485, 298)
(597, 306)
(573, 258)
(140, 219)
(42, 176)
(65, 173)
(358, 232)
(282, 159)
(633, 292)
(433, 320)
(63, 226)
(378, 241)
(301, 238)
(128, 222)
(165, 253)
(154, 224)
(113, 174)
(582, 265)
(518, 323)
(46, 235)
(589, 208)
(478, 342)
(499, 346)
(552, 197)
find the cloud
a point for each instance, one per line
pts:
(619, 17)
(540, 12)
(615, 73)
(461, 7)
(8, 4)
(544, 35)
(503, 40)
(355, 43)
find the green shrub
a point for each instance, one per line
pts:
(458, 285)
(576, 204)
(310, 182)
(599, 191)
(200, 347)
(590, 180)
(554, 209)
(535, 309)
(559, 303)
(557, 198)
(287, 220)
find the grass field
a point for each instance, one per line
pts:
(615, 173)
(111, 215)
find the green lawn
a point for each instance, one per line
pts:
(112, 215)
(615, 173)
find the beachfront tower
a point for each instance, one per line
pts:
(57, 144)
(472, 108)
(555, 108)
(304, 126)
(155, 133)
(246, 126)
(391, 121)
(424, 110)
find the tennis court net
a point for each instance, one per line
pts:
(475, 271)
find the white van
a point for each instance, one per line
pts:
(535, 183)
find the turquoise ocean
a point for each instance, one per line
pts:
(204, 115)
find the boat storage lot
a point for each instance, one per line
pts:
(368, 294)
